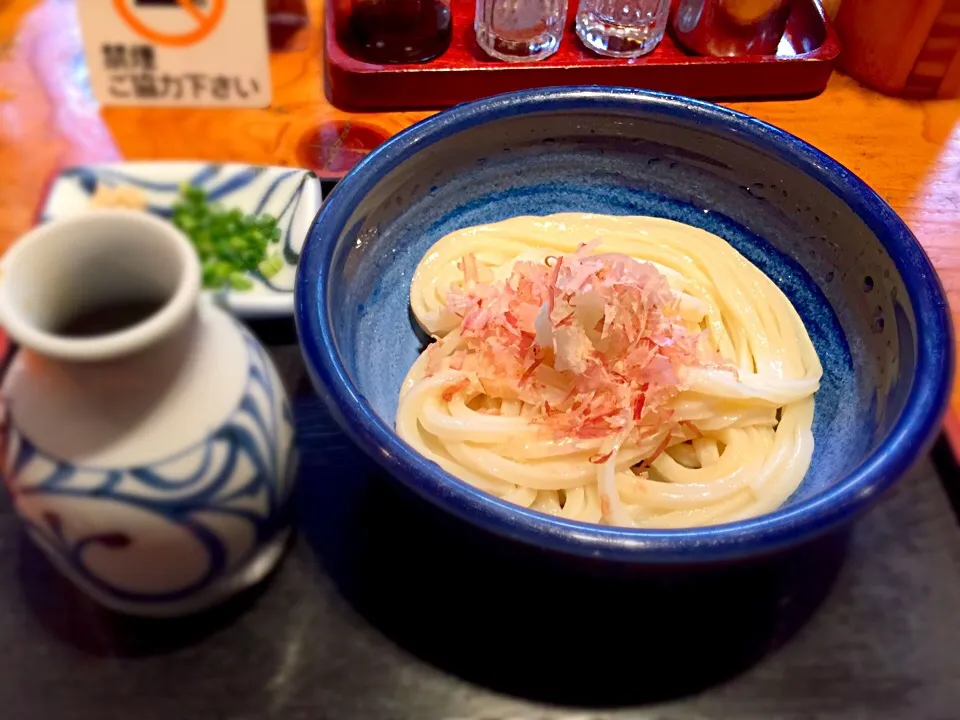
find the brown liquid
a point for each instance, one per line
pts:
(398, 31)
(109, 318)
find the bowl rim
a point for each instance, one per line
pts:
(839, 504)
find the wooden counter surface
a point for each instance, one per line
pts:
(908, 151)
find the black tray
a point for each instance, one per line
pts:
(382, 612)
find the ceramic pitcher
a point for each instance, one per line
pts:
(147, 440)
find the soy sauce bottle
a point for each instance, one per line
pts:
(398, 31)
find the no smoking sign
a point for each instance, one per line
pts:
(177, 52)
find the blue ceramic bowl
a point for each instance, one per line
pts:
(865, 289)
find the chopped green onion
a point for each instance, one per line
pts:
(230, 244)
(239, 281)
(271, 266)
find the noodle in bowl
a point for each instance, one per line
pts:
(777, 394)
(733, 438)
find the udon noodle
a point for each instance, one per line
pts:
(630, 371)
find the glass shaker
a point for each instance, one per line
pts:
(520, 30)
(622, 28)
(397, 31)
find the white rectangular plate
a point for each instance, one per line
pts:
(291, 195)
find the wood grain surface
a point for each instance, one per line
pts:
(908, 151)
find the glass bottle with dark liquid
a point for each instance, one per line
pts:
(398, 31)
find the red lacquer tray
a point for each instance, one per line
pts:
(801, 67)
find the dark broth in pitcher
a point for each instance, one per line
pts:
(108, 318)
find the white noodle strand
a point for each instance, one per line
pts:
(744, 462)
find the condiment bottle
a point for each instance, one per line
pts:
(520, 30)
(731, 27)
(284, 19)
(397, 31)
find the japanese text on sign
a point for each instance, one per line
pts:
(133, 73)
(147, 52)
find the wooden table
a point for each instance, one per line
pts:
(908, 151)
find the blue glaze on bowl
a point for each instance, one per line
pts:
(858, 278)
